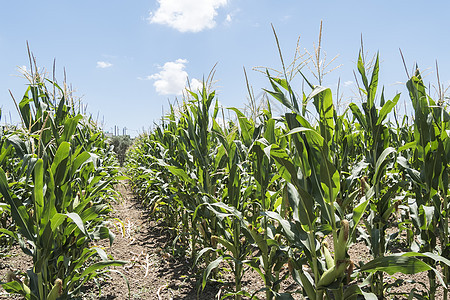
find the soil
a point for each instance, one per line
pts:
(152, 272)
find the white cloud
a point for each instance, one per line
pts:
(187, 15)
(104, 64)
(228, 18)
(171, 80)
(348, 83)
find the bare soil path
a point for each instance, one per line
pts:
(152, 273)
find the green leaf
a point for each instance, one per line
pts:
(372, 90)
(302, 204)
(77, 220)
(18, 210)
(381, 163)
(245, 125)
(362, 71)
(269, 133)
(5, 154)
(180, 173)
(433, 256)
(9, 232)
(39, 190)
(330, 180)
(57, 220)
(393, 264)
(387, 108)
(352, 292)
(79, 161)
(358, 212)
(415, 175)
(323, 102)
(70, 125)
(58, 168)
(24, 107)
(279, 95)
(15, 287)
(427, 213)
(101, 265)
(230, 247)
(410, 145)
(294, 233)
(358, 115)
(315, 134)
(287, 168)
(214, 264)
(200, 254)
(306, 282)
(18, 144)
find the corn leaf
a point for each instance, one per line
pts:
(387, 108)
(381, 163)
(59, 167)
(372, 90)
(39, 189)
(18, 210)
(214, 264)
(393, 264)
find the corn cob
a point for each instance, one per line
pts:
(56, 291)
(328, 257)
(329, 276)
(340, 248)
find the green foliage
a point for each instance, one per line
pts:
(266, 192)
(121, 144)
(56, 180)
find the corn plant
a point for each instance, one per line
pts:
(427, 169)
(265, 192)
(57, 194)
(377, 158)
(312, 187)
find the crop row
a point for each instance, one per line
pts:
(288, 197)
(56, 182)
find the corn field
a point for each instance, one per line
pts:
(288, 195)
(283, 196)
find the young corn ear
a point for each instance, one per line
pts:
(56, 291)
(340, 248)
(329, 276)
(327, 254)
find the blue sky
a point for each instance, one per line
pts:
(127, 59)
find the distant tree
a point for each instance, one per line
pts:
(121, 144)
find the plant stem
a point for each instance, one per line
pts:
(238, 265)
(445, 241)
